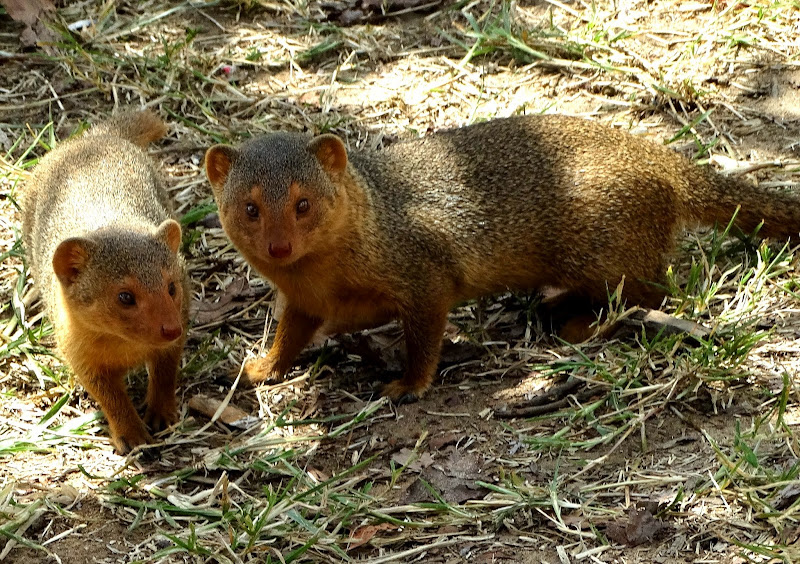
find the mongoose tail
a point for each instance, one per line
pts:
(710, 198)
(140, 128)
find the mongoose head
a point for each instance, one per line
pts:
(125, 283)
(278, 195)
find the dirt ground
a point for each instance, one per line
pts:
(665, 449)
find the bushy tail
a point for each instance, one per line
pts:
(709, 197)
(139, 127)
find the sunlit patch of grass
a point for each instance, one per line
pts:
(497, 32)
(628, 376)
(757, 466)
(18, 516)
(295, 512)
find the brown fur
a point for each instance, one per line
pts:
(97, 224)
(517, 203)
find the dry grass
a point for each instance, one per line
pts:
(683, 447)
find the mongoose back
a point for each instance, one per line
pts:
(102, 247)
(354, 240)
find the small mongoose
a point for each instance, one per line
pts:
(102, 245)
(355, 240)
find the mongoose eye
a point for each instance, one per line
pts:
(302, 206)
(251, 210)
(171, 289)
(126, 298)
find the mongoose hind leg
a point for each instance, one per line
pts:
(580, 328)
(578, 316)
(295, 330)
(423, 330)
(108, 389)
(162, 369)
(645, 294)
(572, 317)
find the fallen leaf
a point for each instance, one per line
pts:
(412, 460)
(454, 480)
(207, 312)
(30, 12)
(231, 415)
(27, 11)
(465, 465)
(363, 535)
(318, 475)
(234, 297)
(416, 492)
(638, 527)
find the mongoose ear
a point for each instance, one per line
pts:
(71, 257)
(170, 232)
(330, 152)
(219, 160)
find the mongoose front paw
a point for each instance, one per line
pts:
(260, 370)
(130, 437)
(401, 391)
(159, 417)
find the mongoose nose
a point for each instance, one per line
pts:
(171, 333)
(280, 250)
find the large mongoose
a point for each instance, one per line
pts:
(407, 232)
(102, 246)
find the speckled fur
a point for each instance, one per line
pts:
(517, 203)
(104, 189)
